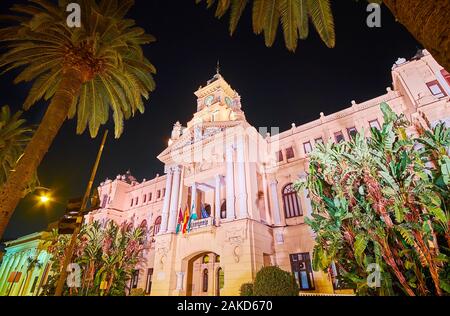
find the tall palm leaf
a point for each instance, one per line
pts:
(14, 136)
(88, 71)
(294, 16)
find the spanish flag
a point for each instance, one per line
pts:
(185, 219)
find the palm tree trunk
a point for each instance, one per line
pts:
(57, 111)
(429, 22)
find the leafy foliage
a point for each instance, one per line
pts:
(294, 16)
(246, 289)
(105, 51)
(273, 281)
(107, 254)
(384, 200)
(14, 136)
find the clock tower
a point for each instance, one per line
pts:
(217, 102)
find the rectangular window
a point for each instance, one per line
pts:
(132, 200)
(339, 137)
(145, 198)
(436, 89)
(374, 124)
(279, 156)
(137, 201)
(148, 286)
(158, 194)
(301, 267)
(318, 140)
(164, 192)
(104, 201)
(149, 196)
(307, 147)
(289, 153)
(351, 132)
(135, 279)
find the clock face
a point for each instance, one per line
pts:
(209, 100)
(228, 101)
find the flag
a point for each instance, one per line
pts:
(204, 212)
(193, 217)
(180, 221)
(185, 219)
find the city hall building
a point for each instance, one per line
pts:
(238, 181)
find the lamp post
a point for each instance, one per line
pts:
(79, 222)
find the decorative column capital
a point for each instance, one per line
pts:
(273, 182)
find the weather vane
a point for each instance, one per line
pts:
(218, 67)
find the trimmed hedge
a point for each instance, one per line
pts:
(247, 289)
(273, 281)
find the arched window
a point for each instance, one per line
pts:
(205, 280)
(292, 206)
(223, 210)
(157, 225)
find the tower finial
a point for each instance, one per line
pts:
(218, 67)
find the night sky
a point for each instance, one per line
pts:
(277, 89)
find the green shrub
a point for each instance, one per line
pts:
(272, 281)
(247, 289)
(137, 292)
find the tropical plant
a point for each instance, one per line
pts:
(293, 14)
(14, 136)
(381, 205)
(107, 255)
(88, 71)
(246, 289)
(273, 281)
(427, 21)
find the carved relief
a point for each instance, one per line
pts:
(236, 237)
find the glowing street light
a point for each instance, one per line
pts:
(44, 199)
(44, 196)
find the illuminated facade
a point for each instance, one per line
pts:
(25, 266)
(237, 180)
(222, 165)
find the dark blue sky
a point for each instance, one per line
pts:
(277, 88)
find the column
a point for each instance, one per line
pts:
(174, 200)
(180, 280)
(194, 197)
(4, 269)
(165, 211)
(266, 200)
(217, 199)
(276, 204)
(14, 262)
(241, 181)
(230, 183)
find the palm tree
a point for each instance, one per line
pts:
(14, 136)
(86, 71)
(427, 21)
(294, 16)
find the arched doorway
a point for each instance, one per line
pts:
(201, 279)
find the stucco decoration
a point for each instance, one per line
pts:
(236, 236)
(162, 249)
